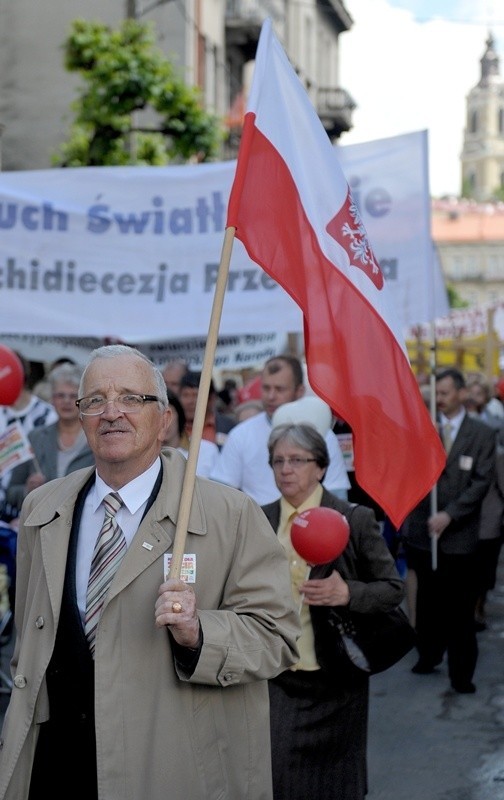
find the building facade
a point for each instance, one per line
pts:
(482, 157)
(469, 232)
(211, 42)
(469, 237)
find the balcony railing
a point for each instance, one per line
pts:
(334, 107)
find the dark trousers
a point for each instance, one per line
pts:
(65, 757)
(445, 611)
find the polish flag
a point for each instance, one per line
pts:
(291, 206)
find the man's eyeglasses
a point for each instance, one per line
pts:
(94, 405)
(296, 462)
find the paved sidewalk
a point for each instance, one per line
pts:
(428, 743)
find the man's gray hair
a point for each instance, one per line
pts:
(114, 350)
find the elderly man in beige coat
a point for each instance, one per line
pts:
(174, 702)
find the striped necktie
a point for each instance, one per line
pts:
(447, 436)
(108, 552)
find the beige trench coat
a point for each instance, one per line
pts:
(159, 734)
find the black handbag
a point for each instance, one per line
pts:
(371, 643)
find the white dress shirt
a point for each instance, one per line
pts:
(243, 461)
(134, 495)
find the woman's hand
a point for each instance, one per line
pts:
(331, 591)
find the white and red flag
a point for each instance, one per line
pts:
(291, 207)
(15, 447)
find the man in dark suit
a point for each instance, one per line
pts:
(441, 538)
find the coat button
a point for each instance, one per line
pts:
(228, 677)
(20, 681)
(39, 622)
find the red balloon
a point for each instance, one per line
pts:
(319, 534)
(11, 376)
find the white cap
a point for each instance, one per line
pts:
(307, 409)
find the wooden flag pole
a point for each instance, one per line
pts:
(201, 406)
(433, 496)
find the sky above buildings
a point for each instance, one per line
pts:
(409, 65)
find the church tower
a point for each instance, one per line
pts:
(483, 150)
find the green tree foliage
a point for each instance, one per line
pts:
(454, 299)
(126, 76)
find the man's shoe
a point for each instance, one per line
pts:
(423, 668)
(464, 688)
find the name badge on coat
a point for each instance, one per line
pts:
(465, 463)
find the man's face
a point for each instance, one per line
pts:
(132, 440)
(172, 375)
(449, 399)
(278, 389)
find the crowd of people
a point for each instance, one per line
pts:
(252, 621)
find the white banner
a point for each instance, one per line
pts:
(132, 253)
(389, 183)
(129, 253)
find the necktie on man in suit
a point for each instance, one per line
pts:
(447, 436)
(108, 552)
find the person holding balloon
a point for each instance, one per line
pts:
(20, 410)
(338, 557)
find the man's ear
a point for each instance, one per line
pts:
(167, 418)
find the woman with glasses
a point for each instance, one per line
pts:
(319, 711)
(58, 449)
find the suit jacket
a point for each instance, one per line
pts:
(461, 488)
(44, 442)
(366, 565)
(492, 507)
(160, 730)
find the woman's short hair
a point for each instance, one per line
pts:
(303, 435)
(175, 403)
(65, 373)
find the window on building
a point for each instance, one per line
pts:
(471, 266)
(457, 268)
(495, 270)
(211, 76)
(308, 48)
(473, 123)
(501, 121)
